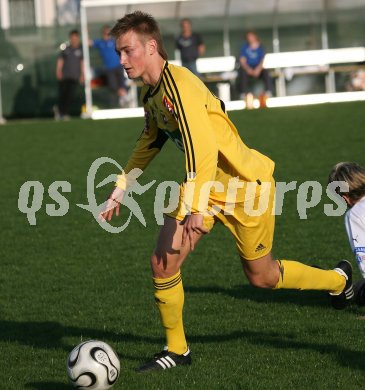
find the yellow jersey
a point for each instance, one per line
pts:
(182, 108)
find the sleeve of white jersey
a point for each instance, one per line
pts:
(355, 228)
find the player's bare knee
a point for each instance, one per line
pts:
(158, 263)
(262, 273)
(164, 266)
(262, 281)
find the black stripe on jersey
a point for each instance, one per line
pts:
(160, 140)
(223, 106)
(183, 121)
(167, 93)
(179, 120)
(153, 91)
(146, 96)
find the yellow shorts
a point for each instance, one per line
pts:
(251, 222)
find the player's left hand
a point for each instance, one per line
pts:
(193, 224)
(112, 204)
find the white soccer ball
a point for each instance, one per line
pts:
(93, 365)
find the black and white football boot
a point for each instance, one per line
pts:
(342, 300)
(165, 360)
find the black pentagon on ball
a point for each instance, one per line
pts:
(71, 363)
(89, 374)
(93, 353)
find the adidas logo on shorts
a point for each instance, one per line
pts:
(260, 247)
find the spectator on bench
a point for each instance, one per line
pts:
(251, 59)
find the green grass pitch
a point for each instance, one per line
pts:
(66, 280)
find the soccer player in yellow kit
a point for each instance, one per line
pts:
(180, 107)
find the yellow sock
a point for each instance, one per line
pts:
(299, 276)
(169, 295)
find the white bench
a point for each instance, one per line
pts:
(220, 70)
(285, 65)
(288, 64)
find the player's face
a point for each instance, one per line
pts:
(106, 33)
(133, 54)
(186, 27)
(251, 38)
(74, 40)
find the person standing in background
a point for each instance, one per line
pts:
(190, 45)
(70, 74)
(115, 78)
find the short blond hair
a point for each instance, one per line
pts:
(142, 24)
(351, 173)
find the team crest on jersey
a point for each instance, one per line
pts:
(168, 105)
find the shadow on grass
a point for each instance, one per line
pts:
(47, 386)
(261, 295)
(50, 334)
(282, 341)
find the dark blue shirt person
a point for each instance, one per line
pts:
(107, 52)
(252, 56)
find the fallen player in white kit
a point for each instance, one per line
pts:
(354, 175)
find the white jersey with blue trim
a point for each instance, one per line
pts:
(355, 227)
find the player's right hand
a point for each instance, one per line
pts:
(112, 204)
